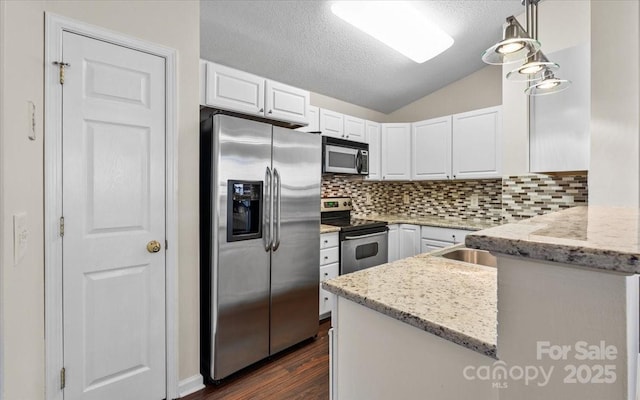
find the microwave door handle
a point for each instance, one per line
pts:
(266, 218)
(359, 161)
(277, 185)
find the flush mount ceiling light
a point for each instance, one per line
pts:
(520, 44)
(398, 25)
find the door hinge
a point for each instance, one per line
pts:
(62, 66)
(61, 226)
(63, 378)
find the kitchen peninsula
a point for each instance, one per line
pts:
(557, 319)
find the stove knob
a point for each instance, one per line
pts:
(344, 204)
(349, 203)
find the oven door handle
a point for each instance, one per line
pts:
(365, 236)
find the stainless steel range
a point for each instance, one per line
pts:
(363, 243)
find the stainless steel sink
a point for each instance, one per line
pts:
(471, 256)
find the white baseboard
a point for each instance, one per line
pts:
(190, 385)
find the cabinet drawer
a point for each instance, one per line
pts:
(453, 236)
(329, 256)
(329, 240)
(329, 271)
(427, 245)
(326, 302)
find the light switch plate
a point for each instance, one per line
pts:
(20, 237)
(474, 200)
(405, 198)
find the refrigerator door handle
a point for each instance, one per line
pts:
(277, 188)
(266, 217)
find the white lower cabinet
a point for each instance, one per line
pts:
(434, 238)
(329, 268)
(404, 241)
(393, 243)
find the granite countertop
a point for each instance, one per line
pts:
(442, 222)
(453, 300)
(328, 228)
(596, 236)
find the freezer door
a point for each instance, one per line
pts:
(241, 320)
(296, 247)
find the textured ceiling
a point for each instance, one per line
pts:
(303, 44)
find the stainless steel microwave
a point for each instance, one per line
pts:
(341, 156)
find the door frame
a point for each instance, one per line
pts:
(55, 25)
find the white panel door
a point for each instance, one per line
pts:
(331, 123)
(230, 89)
(354, 129)
(427, 245)
(286, 103)
(409, 240)
(113, 206)
(477, 144)
(396, 151)
(374, 138)
(431, 149)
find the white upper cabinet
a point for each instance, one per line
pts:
(431, 149)
(286, 103)
(477, 144)
(396, 150)
(354, 128)
(230, 89)
(374, 139)
(314, 120)
(331, 123)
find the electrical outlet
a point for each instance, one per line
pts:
(20, 237)
(405, 198)
(367, 199)
(474, 200)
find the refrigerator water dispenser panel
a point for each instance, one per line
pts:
(244, 211)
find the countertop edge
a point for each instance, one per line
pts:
(608, 260)
(443, 223)
(469, 342)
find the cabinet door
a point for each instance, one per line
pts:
(354, 128)
(286, 103)
(331, 123)
(396, 152)
(409, 240)
(374, 139)
(431, 149)
(427, 245)
(393, 243)
(314, 120)
(477, 144)
(234, 90)
(326, 298)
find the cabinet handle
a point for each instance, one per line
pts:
(326, 241)
(447, 176)
(326, 274)
(326, 299)
(347, 136)
(326, 257)
(270, 111)
(454, 177)
(261, 110)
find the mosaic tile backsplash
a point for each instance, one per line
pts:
(509, 199)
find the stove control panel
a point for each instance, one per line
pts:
(335, 204)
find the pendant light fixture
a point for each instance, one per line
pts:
(520, 44)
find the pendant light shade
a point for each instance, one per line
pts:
(515, 46)
(519, 44)
(548, 85)
(533, 69)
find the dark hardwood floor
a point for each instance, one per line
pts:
(301, 372)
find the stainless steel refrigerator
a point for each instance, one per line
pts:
(260, 236)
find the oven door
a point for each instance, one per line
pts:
(360, 251)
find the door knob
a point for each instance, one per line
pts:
(153, 246)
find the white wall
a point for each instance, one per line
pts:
(330, 103)
(171, 23)
(480, 89)
(614, 177)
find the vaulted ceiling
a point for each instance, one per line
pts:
(303, 44)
